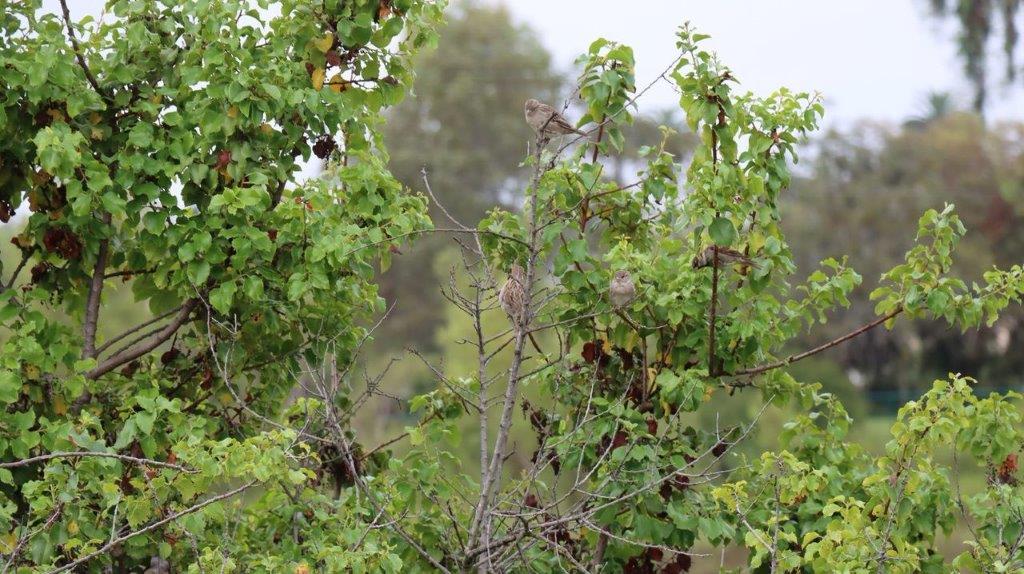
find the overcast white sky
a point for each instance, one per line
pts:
(870, 58)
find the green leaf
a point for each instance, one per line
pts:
(722, 231)
(198, 271)
(222, 297)
(10, 386)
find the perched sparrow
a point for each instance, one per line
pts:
(546, 121)
(512, 295)
(622, 289)
(512, 298)
(725, 255)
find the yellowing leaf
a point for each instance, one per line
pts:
(7, 542)
(318, 78)
(630, 341)
(57, 115)
(338, 84)
(73, 528)
(59, 406)
(233, 112)
(325, 43)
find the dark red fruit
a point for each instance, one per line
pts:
(720, 448)
(619, 440)
(39, 272)
(62, 241)
(129, 369)
(169, 355)
(223, 158)
(665, 491)
(323, 146)
(652, 426)
(681, 482)
(1007, 469)
(531, 501)
(207, 381)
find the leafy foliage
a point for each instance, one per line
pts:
(164, 145)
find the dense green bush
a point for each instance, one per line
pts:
(162, 146)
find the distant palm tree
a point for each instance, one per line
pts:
(938, 105)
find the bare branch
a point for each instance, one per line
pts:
(78, 50)
(170, 518)
(25, 256)
(131, 354)
(92, 305)
(78, 454)
(824, 347)
(135, 329)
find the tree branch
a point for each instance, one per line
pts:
(78, 50)
(76, 454)
(115, 541)
(712, 314)
(17, 270)
(131, 354)
(92, 305)
(800, 356)
(136, 329)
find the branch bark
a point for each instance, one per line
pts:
(712, 314)
(78, 50)
(86, 453)
(824, 347)
(131, 354)
(92, 305)
(171, 518)
(490, 474)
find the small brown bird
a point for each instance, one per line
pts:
(512, 295)
(725, 255)
(546, 121)
(622, 290)
(512, 298)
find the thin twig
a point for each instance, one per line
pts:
(78, 50)
(86, 453)
(800, 356)
(140, 326)
(130, 355)
(171, 518)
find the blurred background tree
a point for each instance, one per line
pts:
(859, 196)
(464, 126)
(859, 193)
(976, 21)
